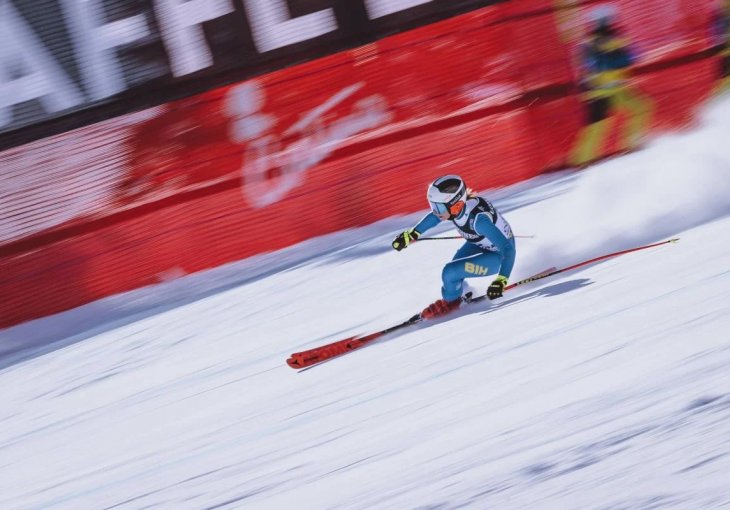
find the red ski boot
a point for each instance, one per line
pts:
(440, 307)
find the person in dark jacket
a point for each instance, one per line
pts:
(607, 58)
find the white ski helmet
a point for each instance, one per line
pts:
(447, 196)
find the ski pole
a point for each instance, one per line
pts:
(459, 237)
(587, 262)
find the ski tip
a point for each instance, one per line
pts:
(674, 240)
(295, 363)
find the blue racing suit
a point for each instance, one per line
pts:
(489, 248)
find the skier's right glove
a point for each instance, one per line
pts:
(403, 239)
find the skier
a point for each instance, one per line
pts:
(489, 247)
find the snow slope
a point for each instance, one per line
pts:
(606, 387)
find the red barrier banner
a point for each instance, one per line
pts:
(331, 144)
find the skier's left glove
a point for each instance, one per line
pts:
(496, 289)
(403, 239)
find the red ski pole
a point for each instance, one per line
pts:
(587, 262)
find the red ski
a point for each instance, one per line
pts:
(326, 352)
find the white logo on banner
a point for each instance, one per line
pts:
(315, 139)
(29, 71)
(181, 24)
(41, 78)
(380, 8)
(272, 27)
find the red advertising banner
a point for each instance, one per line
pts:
(340, 142)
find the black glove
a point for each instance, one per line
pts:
(496, 289)
(403, 239)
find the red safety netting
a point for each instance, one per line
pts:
(335, 143)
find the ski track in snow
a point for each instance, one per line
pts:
(601, 388)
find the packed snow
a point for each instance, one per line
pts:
(604, 387)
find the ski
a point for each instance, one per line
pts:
(317, 355)
(326, 352)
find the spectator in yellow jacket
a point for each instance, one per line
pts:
(606, 89)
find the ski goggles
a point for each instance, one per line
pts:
(441, 209)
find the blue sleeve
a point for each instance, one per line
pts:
(629, 56)
(483, 225)
(589, 60)
(427, 222)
